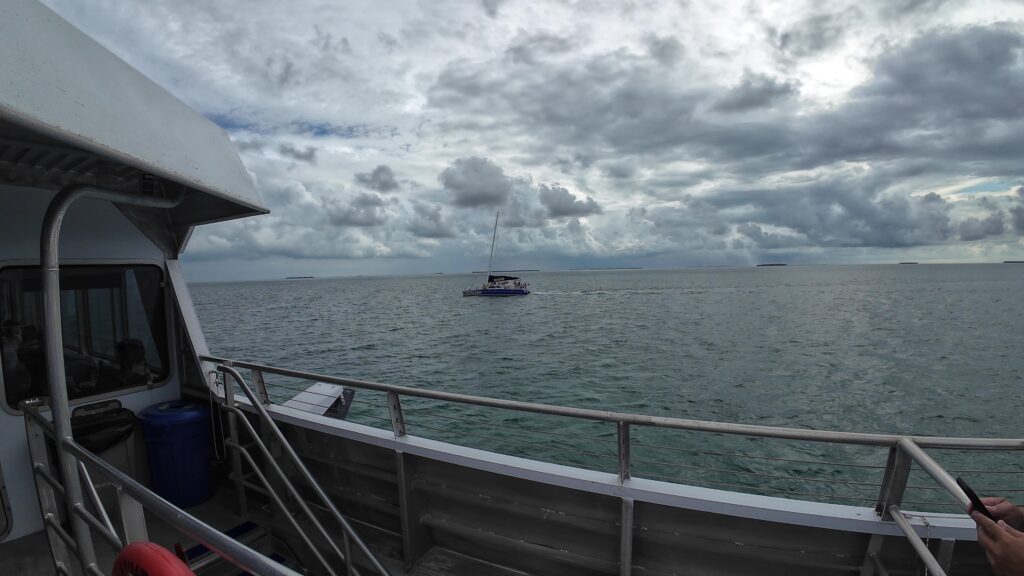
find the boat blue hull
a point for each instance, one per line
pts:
(496, 292)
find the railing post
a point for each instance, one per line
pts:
(236, 458)
(133, 518)
(350, 562)
(894, 481)
(47, 499)
(623, 451)
(626, 538)
(261, 386)
(395, 410)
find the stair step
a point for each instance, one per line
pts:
(443, 562)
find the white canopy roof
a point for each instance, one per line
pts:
(63, 94)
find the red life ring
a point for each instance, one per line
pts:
(148, 559)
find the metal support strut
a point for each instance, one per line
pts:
(49, 256)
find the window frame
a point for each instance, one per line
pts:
(170, 325)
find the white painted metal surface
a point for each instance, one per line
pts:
(57, 81)
(317, 398)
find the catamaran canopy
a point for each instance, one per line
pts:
(73, 112)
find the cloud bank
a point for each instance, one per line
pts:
(667, 134)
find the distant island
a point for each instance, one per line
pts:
(1013, 261)
(771, 264)
(299, 277)
(908, 262)
(603, 269)
(502, 271)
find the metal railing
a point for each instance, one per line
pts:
(133, 499)
(904, 450)
(236, 416)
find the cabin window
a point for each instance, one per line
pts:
(112, 322)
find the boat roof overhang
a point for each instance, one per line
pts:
(71, 112)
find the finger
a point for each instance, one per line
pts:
(1010, 530)
(993, 531)
(983, 539)
(993, 500)
(1000, 509)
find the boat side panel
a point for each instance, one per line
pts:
(521, 520)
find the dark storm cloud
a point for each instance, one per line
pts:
(843, 213)
(755, 91)
(813, 34)
(972, 228)
(381, 179)
(429, 222)
(666, 50)
(769, 240)
(307, 154)
(928, 106)
(491, 6)
(529, 49)
(476, 181)
(899, 8)
(559, 202)
(366, 209)
(939, 105)
(618, 100)
(249, 144)
(1017, 213)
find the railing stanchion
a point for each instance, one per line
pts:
(261, 386)
(916, 543)
(350, 562)
(626, 538)
(133, 518)
(39, 454)
(236, 458)
(623, 451)
(395, 410)
(894, 481)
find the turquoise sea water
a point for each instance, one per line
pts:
(926, 349)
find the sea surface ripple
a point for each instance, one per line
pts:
(926, 349)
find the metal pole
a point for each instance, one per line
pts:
(915, 541)
(757, 430)
(223, 545)
(938, 472)
(302, 469)
(49, 257)
(95, 497)
(494, 237)
(236, 459)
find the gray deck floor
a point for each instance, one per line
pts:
(30, 555)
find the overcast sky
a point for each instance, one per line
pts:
(384, 136)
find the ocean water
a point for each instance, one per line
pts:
(925, 349)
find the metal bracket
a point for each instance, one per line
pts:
(624, 464)
(395, 410)
(894, 481)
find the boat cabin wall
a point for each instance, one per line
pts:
(118, 322)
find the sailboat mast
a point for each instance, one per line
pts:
(493, 238)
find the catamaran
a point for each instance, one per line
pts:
(498, 285)
(127, 445)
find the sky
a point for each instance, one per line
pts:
(384, 136)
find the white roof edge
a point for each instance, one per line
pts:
(57, 81)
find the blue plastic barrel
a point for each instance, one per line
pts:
(178, 441)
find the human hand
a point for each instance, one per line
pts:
(1002, 509)
(1003, 544)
